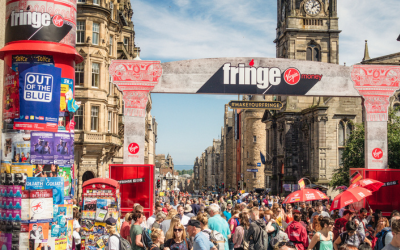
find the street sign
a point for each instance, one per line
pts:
(258, 164)
(255, 105)
(252, 170)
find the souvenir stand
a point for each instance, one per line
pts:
(101, 200)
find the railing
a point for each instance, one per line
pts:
(314, 22)
(81, 137)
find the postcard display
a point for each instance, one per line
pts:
(100, 202)
(36, 181)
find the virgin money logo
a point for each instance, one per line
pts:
(292, 76)
(377, 153)
(58, 21)
(133, 148)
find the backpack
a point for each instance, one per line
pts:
(245, 244)
(262, 242)
(217, 239)
(279, 237)
(345, 236)
(146, 239)
(123, 243)
(380, 243)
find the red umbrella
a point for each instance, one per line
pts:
(305, 195)
(349, 196)
(369, 184)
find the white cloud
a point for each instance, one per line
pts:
(206, 29)
(375, 21)
(181, 3)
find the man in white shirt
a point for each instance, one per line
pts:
(152, 219)
(184, 219)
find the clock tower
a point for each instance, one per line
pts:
(308, 30)
(307, 137)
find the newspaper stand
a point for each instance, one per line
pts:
(101, 200)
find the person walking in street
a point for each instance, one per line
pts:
(126, 227)
(228, 211)
(323, 240)
(395, 242)
(166, 223)
(254, 235)
(160, 217)
(351, 237)
(113, 241)
(297, 233)
(217, 223)
(202, 217)
(320, 211)
(200, 241)
(188, 211)
(289, 214)
(241, 232)
(179, 240)
(181, 212)
(136, 231)
(158, 238)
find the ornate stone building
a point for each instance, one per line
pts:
(228, 145)
(307, 137)
(104, 32)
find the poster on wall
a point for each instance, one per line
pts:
(42, 148)
(39, 91)
(65, 172)
(15, 147)
(63, 148)
(67, 101)
(11, 95)
(55, 183)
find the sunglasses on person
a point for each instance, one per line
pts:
(288, 244)
(178, 229)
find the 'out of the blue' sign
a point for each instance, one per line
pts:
(38, 87)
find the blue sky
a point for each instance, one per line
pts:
(170, 30)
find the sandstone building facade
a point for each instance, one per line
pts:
(307, 137)
(104, 32)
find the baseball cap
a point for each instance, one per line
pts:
(111, 221)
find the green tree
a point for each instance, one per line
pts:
(353, 155)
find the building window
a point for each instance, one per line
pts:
(111, 46)
(254, 175)
(254, 138)
(80, 32)
(109, 122)
(126, 42)
(112, 10)
(79, 74)
(96, 33)
(344, 132)
(313, 53)
(95, 75)
(110, 85)
(94, 122)
(79, 118)
(81, 1)
(96, 2)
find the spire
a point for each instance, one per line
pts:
(366, 53)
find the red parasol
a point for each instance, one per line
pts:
(349, 196)
(305, 195)
(369, 184)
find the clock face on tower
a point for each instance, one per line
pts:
(312, 7)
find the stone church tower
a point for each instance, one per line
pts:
(307, 137)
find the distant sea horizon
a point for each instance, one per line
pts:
(183, 167)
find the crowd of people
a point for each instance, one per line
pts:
(256, 222)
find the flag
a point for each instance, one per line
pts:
(355, 177)
(262, 158)
(301, 183)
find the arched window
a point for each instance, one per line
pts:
(313, 52)
(344, 131)
(87, 176)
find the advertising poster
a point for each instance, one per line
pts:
(6, 168)
(24, 237)
(65, 172)
(63, 147)
(41, 204)
(21, 171)
(11, 96)
(47, 170)
(39, 231)
(55, 183)
(39, 91)
(42, 148)
(67, 101)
